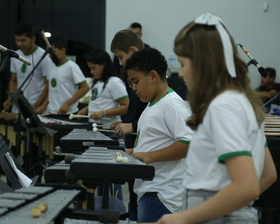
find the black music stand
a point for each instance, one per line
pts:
(33, 125)
(10, 174)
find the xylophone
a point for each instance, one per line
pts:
(99, 165)
(102, 162)
(272, 126)
(79, 139)
(46, 203)
(64, 125)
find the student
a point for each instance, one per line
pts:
(35, 90)
(137, 29)
(109, 96)
(228, 163)
(66, 82)
(162, 136)
(268, 88)
(123, 45)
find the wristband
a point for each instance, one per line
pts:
(104, 112)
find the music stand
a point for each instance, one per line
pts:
(33, 124)
(10, 174)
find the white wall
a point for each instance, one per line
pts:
(256, 30)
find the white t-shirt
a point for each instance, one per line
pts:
(229, 128)
(64, 82)
(160, 125)
(107, 98)
(36, 85)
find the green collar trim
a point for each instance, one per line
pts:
(169, 91)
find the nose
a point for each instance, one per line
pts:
(121, 62)
(133, 86)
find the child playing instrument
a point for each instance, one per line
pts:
(66, 81)
(109, 96)
(228, 163)
(162, 136)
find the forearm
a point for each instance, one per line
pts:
(269, 175)
(121, 110)
(42, 97)
(267, 95)
(176, 151)
(12, 85)
(83, 111)
(229, 199)
(79, 94)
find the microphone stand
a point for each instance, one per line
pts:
(31, 121)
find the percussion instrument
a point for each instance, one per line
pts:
(99, 165)
(79, 139)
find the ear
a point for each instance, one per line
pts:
(33, 39)
(133, 49)
(154, 76)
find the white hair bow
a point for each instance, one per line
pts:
(210, 20)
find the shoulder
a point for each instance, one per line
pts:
(229, 102)
(114, 80)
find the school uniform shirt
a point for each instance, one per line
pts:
(107, 98)
(229, 128)
(160, 125)
(34, 86)
(64, 82)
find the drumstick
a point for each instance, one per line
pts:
(71, 116)
(94, 125)
(119, 157)
(44, 115)
(108, 130)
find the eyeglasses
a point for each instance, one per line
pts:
(130, 83)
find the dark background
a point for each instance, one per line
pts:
(81, 22)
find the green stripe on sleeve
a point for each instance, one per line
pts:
(232, 154)
(183, 141)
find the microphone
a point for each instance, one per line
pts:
(261, 70)
(13, 54)
(50, 50)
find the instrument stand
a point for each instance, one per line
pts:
(33, 125)
(31, 120)
(10, 174)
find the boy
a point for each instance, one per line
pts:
(162, 136)
(66, 82)
(123, 45)
(36, 90)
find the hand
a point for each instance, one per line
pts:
(97, 115)
(114, 124)
(7, 104)
(124, 129)
(64, 108)
(145, 156)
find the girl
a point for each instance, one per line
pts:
(228, 164)
(109, 97)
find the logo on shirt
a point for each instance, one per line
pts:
(23, 68)
(94, 93)
(137, 138)
(53, 83)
